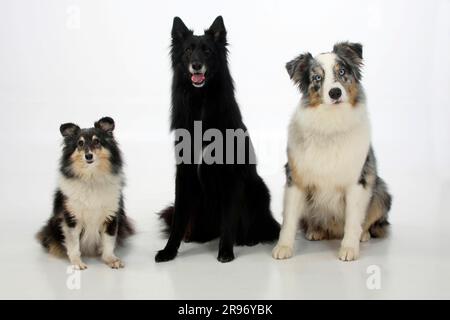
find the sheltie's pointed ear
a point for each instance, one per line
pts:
(106, 124)
(179, 29)
(217, 30)
(298, 70)
(69, 129)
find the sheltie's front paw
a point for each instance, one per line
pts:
(165, 255)
(79, 265)
(225, 257)
(348, 253)
(282, 252)
(114, 262)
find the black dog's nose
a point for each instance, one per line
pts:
(89, 156)
(335, 93)
(196, 66)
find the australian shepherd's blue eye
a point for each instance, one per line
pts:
(80, 143)
(341, 71)
(317, 77)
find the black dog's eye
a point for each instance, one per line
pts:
(188, 50)
(206, 51)
(341, 71)
(80, 143)
(317, 77)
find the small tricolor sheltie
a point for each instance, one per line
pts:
(88, 211)
(332, 189)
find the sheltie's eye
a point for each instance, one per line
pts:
(341, 71)
(96, 143)
(80, 143)
(317, 77)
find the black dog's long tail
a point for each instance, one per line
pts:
(256, 225)
(264, 228)
(200, 228)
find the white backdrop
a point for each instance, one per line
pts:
(79, 60)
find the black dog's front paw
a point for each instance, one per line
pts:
(165, 255)
(225, 257)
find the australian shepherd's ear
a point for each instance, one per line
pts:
(352, 54)
(298, 70)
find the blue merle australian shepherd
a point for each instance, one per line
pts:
(227, 201)
(88, 212)
(333, 189)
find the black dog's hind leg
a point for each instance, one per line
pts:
(184, 203)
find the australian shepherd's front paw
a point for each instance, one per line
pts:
(348, 253)
(165, 255)
(282, 252)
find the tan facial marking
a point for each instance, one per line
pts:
(352, 90)
(78, 162)
(314, 97)
(103, 158)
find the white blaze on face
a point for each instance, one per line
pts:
(328, 62)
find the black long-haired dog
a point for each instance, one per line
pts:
(229, 201)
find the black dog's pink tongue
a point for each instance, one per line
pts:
(198, 78)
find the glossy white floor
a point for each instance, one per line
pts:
(115, 63)
(413, 262)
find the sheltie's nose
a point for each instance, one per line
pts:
(89, 157)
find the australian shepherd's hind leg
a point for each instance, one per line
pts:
(357, 201)
(294, 205)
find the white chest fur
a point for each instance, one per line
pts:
(92, 202)
(329, 144)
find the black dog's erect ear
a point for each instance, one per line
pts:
(217, 30)
(352, 53)
(179, 29)
(69, 129)
(298, 69)
(106, 124)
